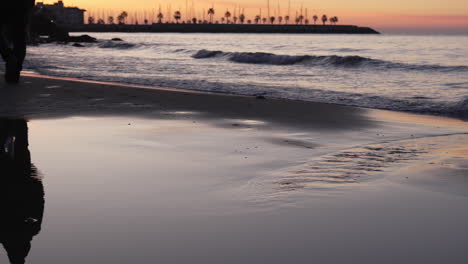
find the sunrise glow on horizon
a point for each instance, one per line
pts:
(398, 15)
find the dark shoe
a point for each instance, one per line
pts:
(12, 78)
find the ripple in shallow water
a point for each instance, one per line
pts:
(359, 166)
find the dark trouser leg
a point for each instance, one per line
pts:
(13, 27)
(16, 50)
(4, 50)
(18, 38)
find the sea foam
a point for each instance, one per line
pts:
(314, 60)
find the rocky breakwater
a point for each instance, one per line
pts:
(226, 28)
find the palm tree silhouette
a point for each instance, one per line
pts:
(324, 19)
(272, 19)
(177, 16)
(264, 20)
(234, 19)
(315, 17)
(110, 20)
(122, 18)
(286, 18)
(301, 19)
(227, 15)
(257, 19)
(211, 13)
(280, 19)
(334, 20)
(160, 17)
(91, 20)
(242, 18)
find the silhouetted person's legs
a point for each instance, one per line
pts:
(21, 192)
(18, 248)
(14, 18)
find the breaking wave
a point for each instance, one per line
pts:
(427, 82)
(123, 45)
(116, 45)
(310, 60)
(460, 109)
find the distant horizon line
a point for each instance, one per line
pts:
(405, 23)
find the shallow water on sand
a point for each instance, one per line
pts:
(127, 190)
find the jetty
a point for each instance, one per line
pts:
(223, 28)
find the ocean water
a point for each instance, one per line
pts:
(424, 74)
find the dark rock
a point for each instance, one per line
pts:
(260, 97)
(117, 39)
(82, 39)
(78, 45)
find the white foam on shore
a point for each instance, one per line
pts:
(419, 74)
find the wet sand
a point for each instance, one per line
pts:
(136, 175)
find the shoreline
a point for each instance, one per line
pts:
(459, 117)
(146, 168)
(45, 97)
(55, 96)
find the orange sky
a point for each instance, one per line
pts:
(440, 15)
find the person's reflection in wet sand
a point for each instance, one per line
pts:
(21, 191)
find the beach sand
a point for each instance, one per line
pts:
(139, 174)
